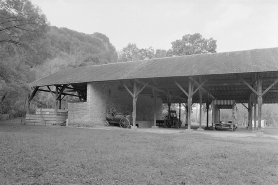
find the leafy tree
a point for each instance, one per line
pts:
(21, 23)
(193, 44)
(188, 45)
(132, 53)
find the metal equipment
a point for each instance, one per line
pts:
(117, 119)
(172, 120)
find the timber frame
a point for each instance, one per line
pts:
(247, 88)
(248, 77)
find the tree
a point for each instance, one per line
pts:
(132, 53)
(193, 44)
(21, 23)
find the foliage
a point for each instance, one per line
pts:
(66, 48)
(132, 53)
(193, 44)
(21, 23)
(31, 49)
(188, 45)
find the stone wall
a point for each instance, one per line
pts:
(78, 114)
(102, 95)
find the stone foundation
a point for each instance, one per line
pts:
(78, 114)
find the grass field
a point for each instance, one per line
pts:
(60, 155)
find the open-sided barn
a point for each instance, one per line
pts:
(141, 87)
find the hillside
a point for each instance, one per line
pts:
(58, 49)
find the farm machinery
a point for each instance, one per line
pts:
(172, 120)
(114, 118)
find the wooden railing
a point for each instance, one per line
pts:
(47, 117)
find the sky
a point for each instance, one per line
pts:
(235, 24)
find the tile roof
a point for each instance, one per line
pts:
(256, 60)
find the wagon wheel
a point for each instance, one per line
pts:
(168, 123)
(124, 123)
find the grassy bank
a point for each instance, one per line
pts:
(59, 155)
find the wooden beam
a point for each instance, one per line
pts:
(265, 91)
(179, 86)
(154, 107)
(201, 111)
(127, 89)
(134, 102)
(33, 93)
(139, 91)
(61, 91)
(180, 112)
(207, 106)
(56, 100)
(200, 86)
(244, 106)
(250, 113)
(159, 90)
(54, 92)
(190, 91)
(260, 101)
(255, 115)
(247, 84)
(196, 83)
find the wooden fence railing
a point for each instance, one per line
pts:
(47, 117)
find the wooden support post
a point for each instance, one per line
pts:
(207, 106)
(185, 113)
(212, 113)
(201, 111)
(154, 108)
(134, 104)
(260, 101)
(250, 110)
(60, 103)
(255, 115)
(189, 103)
(134, 94)
(56, 101)
(233, 117)
(179, 111)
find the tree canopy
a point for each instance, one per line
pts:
(21, 23)
(193, 44)
(31, 49)
(188, 45)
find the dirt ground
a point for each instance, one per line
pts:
(62, 155)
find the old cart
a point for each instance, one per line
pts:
(118, 119)
(172, 120)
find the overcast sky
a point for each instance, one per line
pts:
(235, 24)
